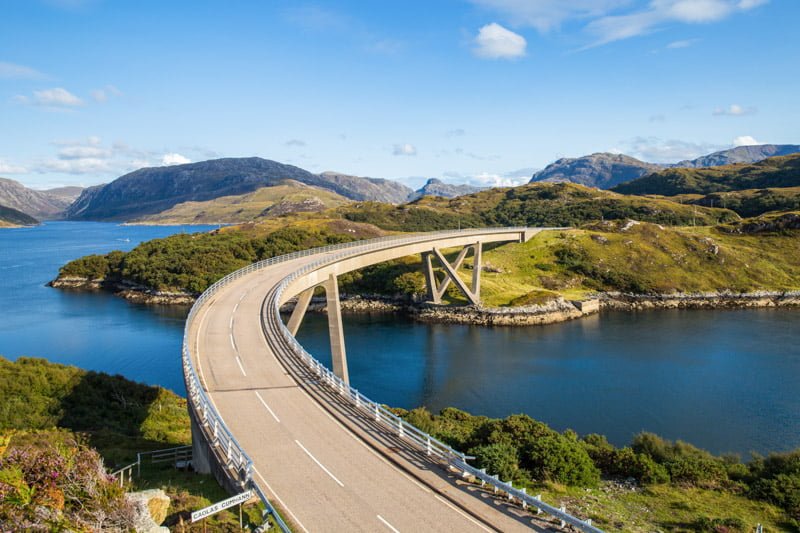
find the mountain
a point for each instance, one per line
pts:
(67, 194)
(436, 187)
(37, 204)
(740, 154)
(365, 189)
(148, 191)
(287, 197)
(11, 217)
(773, 172)
(600, 170)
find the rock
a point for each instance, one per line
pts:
(599, 239)
(629, 224)
(151, 510)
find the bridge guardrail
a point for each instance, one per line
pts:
(239, 464)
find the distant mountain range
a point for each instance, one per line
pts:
(606, 170)
(149, 191)
(42, 205)
(436, 187)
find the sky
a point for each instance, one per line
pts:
(467, 91)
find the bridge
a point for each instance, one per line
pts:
(266, 415)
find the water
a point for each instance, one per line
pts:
(96, 330)
(726, 381)
(723, 380)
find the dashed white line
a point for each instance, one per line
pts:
(267, 407)
(233, 344)
(230, 324)
(318, 463)
(275, 494)
(239, 361)
(387, 524)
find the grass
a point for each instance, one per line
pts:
(615, 507)
(289, 196)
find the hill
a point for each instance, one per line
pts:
(781, 171)
(365, 189)
(41, 205)
(748, 202)
(436, 187)
(740, 154)
(149, 191)
(600, 170)
(287, 197)
(67, 194)
(11, 218)
(534, 204)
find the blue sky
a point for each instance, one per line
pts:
(479, 91)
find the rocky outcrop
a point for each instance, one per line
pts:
(151, 508)
(436, 187)
(558, 310)
(740, 154)
(601, 170)
(703, 300)
(129, 291)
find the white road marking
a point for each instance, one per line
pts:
(275, 494)
(235, 308)
(240, 366)
(462, 513)
(319, 464)
(267, 406)
(243, 295)
(231, 322)
(387, 524)
(233, 344)
(350, 432)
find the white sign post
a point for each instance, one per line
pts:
(219, 506)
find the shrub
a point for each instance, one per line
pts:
(499, 460)
(561, 458)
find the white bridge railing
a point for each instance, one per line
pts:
(231, 454)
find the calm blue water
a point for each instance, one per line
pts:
(727, 381)
(95, 330)
(724, 380)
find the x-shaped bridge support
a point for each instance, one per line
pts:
(436, 290)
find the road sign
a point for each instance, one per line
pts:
(219, 506)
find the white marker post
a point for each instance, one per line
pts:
(224, 504)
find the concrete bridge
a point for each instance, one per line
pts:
(266, 415)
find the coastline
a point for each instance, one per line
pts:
(552, 312)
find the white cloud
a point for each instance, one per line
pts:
(295, 142)
(745, 140)
(102, 95)
(89, 165)
(57, 98)
(734, 110)
(490, 179)
(685, 43)
(496, 42)
(12, 71)
(9, 168)
(174, 159)
(657, 150)
(84, 152)
(404, 149)
(612, 28)
(546, 15)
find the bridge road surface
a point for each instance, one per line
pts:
(324, 477)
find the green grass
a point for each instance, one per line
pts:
(772, 172)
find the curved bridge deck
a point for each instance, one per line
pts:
(327, 464)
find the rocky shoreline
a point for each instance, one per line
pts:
(554, 311)
(129, 291)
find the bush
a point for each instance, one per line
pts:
(561, 458)
(499, 460)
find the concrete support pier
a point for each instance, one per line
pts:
(436, 290)
(335, 329)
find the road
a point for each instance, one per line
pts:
(327, 469)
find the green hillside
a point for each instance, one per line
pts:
(287, 197)
(769, 173)
(748, 202)
(534, 204)
(11, 217)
